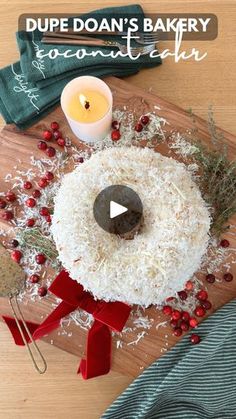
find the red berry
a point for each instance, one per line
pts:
(34, 278)
(49, 175)
(42, 145)
(183, 295)
(80, 160)
(36, 193)
(228, 277)
(178, 331)
(48, 218)
(138, 127)
(184, 326)
(144, 119)
(44, 211)
(61, 142)
(54, 125)
(202, 295)
(185, 316)
(169, 299)
(30, 202)
(115, 125)
(57, 134)
(30, 222)
(47, 135)
(210, 278)
(200, 311)
(189, 285)
(193, 322)
(14, 243)
(3, 203)
(7, 215)
(195, 339)
(10, 196)
(42, 291)
(176, 315)
(173, 323)
(27, 185)
(50, 151)
(40, 258)
(224, 243)
(115, 135)
(167, 310)
(206, 304)
(43, 183)
(16, 255)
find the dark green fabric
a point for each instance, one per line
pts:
(190, 381)
(31, 88)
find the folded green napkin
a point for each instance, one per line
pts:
(190, 381)
(31, 87)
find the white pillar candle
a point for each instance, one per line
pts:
(87, 104)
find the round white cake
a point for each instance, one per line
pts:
(161, 257)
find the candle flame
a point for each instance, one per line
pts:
(82, 99)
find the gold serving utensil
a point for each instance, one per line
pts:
(12, 281)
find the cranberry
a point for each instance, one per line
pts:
(61, 142)
(210, 278)
(176, 315)
(30, 202)
(14, 243)
(183, 295)
(42, 145)
(7, 215)
(138, 127)
(200, 311)
(184, 326)
(169, 299)
(49, 175)
(36, 193)
(42, 291)
(43, 183)
(34, 278)
(50, 151)
(54, 125)
(44, 211)
(206, 304)
(195, 339)
(48, 218)
(173, 323)
(16, 255)
(144, 119)
(80, 160)
(185, 316)
(224, 243)
(178, 331)
(167, 310)
(3, 203)
(228, 277)
(27, 185)
(30, 222)
(47, 135)
(115, 125)
(189, 285)
(40, 258)
(57, 134)
(115, 135)
(193, 322)
(10, 196)
(202, 295)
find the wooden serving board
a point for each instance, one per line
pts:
(15, 144)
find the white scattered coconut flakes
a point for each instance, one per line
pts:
(161, 324)
(136, 341)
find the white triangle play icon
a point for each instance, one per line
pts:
(116, 209)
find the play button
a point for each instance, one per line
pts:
(118, 210)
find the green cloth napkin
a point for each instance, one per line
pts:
(190, 381)
(31, 88)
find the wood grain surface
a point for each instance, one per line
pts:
(188, 84)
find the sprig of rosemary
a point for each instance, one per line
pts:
(34, 238)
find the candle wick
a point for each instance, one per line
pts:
(87, 104)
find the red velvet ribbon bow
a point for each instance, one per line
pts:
(112, 315)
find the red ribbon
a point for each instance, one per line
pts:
(112, 315)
